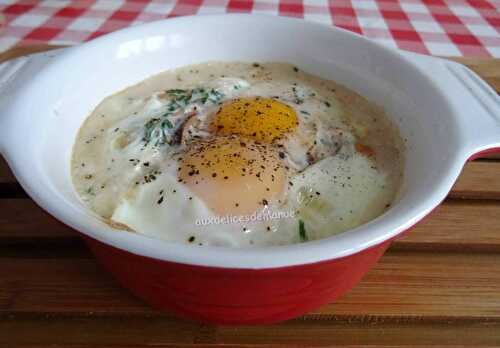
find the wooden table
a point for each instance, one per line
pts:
(439, 285)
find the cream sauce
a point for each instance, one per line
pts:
(112, 165)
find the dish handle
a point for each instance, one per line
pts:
(481, 111)
(476, 103)
(15, 74)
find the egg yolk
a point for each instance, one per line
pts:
(262, 119)
(233, 175)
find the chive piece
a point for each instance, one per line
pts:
(302, 232)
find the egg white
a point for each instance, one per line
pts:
(180, 215)
(337, 194)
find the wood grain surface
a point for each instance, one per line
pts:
(438, 285)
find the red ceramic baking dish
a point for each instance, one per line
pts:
(447, 114)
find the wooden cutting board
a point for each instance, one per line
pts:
(437, 286)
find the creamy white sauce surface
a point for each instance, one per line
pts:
(237, 154)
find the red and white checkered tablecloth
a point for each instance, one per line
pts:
(438, 27)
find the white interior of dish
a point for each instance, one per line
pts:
(48, 112)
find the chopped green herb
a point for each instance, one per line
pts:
(168, 124)
(160, 130)
(302, 232)
(304, 112)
